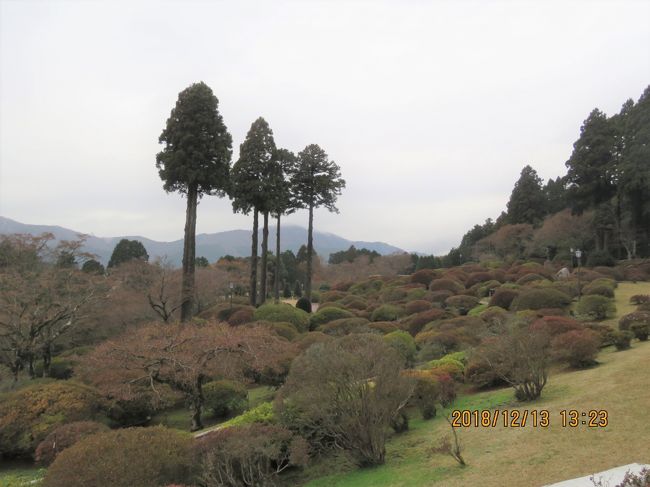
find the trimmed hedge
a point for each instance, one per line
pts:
(345, 326)
(596, 307)
(387, 312)
(325, 315)
(540, 298)
(445, 284)
(283, 313)
(64, 437)
(225, 397)
(503, 297)
(142, 457)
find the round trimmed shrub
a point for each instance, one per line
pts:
(285, 330)
(330, 296)
(387, 312)
(64, 437)
(340, 286)
(315, 297)
(225, 397)
(384, 327)
(482, 375)
(445, 284)
(439, 296)
(353, 301)
(367, 287)
(143, 457)
(600, 258)
(242, 316)
(345, 326)
(642, 317)
(404, 343)
(325, 315)
(622, 339)
(578, 348)
(283, 313)
(528, 278)
(598, 290)
(503, 297)
(478, 277)
(417, 306)
(540, 298)
(605, 333)
(424, 276)
(28, 415)
(417, 293)
(461, 303)
(393, 294)
(640, 330)
(638, 299)
(304, 304)
(556, 325)
(416, 322)
(570, 288)
(596, 307)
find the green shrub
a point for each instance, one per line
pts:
(404, 343)
(345, 326)
(64, 437)
(600, 258)
(325, 315)
(528, 278)
(446, 284)
(331, 296)
(60, 368)
(605, 333)
(477, 310)
(387, 312)
(622, 339)
(367, 287)
(596, 307)
(384, 326)
(353, 301)
(461, 304)
(225, 397)
(598, 290)
(570, 288)
(263, 414)
(283, 313)
(638, 299)
(28, 415)
(285, 330)
(315, 297)
(540, 298)
(640, 330)
(304, 304)
(242, 316)
(393, 294)
(142, 457)
(439, 296)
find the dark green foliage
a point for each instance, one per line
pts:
(127, 250)
(598, 289)
(345, 326)
(297, 290)
(66, 260)
(461, 304)
(556, 194)
(225, 397)
(351, 254)
(286, 293)
(143, 457)
(64, 437)
(528, 278)
(195, 161)
(527, 202)
(201, 262)
(315, 182)
(622, 339)
(539, 299)
(92, 266)
(596, 307)
(600, 258)
(28, 415)
(304, 304)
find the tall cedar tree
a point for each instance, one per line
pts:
(250, 191)
(591, 172)
(527, 202)
(316, 181)
(285, 162)
(195, 161)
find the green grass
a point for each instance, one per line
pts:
(20, 475)
(524, 456)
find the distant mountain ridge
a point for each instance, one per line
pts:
(209, 245)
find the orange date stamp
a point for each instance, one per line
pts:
(522, 418)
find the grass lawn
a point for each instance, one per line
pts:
(20, 475)
(530, 456)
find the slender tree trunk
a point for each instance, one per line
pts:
(30, 367)
(189, 254)
(47, 361)
(265, 255)
(197, 410)
(253, 283)
(278, 263)
(310, 251)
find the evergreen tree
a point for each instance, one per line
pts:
(591, 175)
(195, 161)
(315, 182)
(556, 195)
(527, 202)
(127, 250)
(202, 262)
(250, 191)
(92, 266)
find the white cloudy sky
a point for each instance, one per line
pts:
(430, 108)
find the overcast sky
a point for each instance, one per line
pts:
(430, 108)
